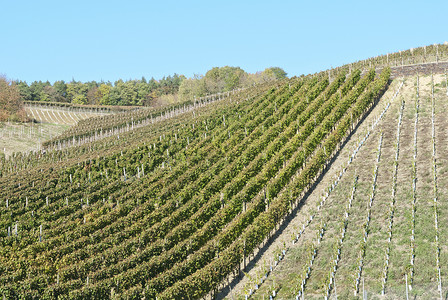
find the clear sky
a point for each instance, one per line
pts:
(108, 40)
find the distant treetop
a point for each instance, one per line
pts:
(223, 79)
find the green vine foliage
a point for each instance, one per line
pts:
(170, 209)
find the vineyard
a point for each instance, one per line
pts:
(375, 231)
(20, 138)
(59, 116)
(320, 186)
(48, 122)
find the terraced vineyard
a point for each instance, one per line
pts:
(380, 226)
(49, 120)
(59, 116)
(172, 209)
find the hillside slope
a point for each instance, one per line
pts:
(173, 213)
(175, 203)
(381, 224)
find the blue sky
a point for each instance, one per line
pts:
(108, 40)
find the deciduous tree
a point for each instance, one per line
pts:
(10, 104)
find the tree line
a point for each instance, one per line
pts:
(130, 92)
(175, 88)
